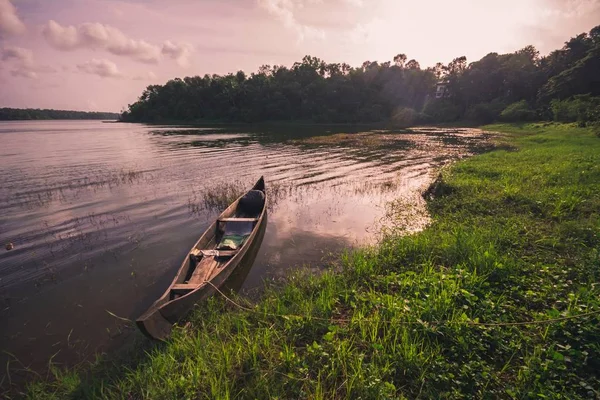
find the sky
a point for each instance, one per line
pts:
(99, 55)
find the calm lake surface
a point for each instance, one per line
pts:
(101, 215)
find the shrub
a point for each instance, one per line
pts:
(372, 113)
(581, 108)
(595, 127)
(518, 112)
(424, 118)
(485, 113)
(441, 110)
(404, 117)
(563, 111)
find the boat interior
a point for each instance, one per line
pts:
(229, 238)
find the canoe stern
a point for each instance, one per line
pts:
(154, 325)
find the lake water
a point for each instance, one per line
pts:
(101, 215)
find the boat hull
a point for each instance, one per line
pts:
(158, 321)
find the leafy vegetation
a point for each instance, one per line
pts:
(581, 108)
(400, 91)
(514, 239)
(485, 113)
(443, 110)
(12, 114)
(519, 111)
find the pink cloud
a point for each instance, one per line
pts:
(23, 63)
(99, 36)
(147, 76)
(10, 23)
(284, 11)
(22, 56)
(107, 69)
(571, 8)
(103, 68)
(180, 52)
(23, 73)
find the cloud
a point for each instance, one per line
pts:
(23, 62)
(102, 67)
(148, 76)
(10, 23)
(571, 8)
(91, 105)
(283, 10)
(23, 73)
(22, 56)
(108, 69)
(356, 3)
(180, 52)
(99, 36)
(118, 13)
(365, 32)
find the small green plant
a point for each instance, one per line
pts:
(442, 110)
(520, 111)
(220, 196)
(596, 128)
(485, 113)
(404, 118)
(582, 109)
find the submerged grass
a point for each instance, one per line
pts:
(371, 139)
(514, 238)
(215, 198)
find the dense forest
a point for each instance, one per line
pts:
(564, 85)
(17, 114)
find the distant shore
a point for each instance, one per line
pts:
(36, 114)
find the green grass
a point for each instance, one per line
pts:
(514, 238)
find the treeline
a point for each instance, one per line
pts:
(18, 114)
(515, 86)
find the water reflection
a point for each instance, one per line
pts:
(102, 214)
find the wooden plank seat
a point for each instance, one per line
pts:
(203, 267)
(238, 219)
(182, 288)
(213, 253)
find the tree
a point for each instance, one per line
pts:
(335, 92)
(400, 60)
(240, 76)
(413, 64)
(531, 53)
(438, 71)
(595, 34)
(265, 70)
(457, 66)
(581, 78)
(577, 48)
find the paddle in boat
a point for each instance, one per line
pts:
(231, 241)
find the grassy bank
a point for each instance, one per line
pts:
(514, 239)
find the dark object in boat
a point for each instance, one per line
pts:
(232, 240)
(9, 246)
(252, 202)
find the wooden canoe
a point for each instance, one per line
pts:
(210, 261)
